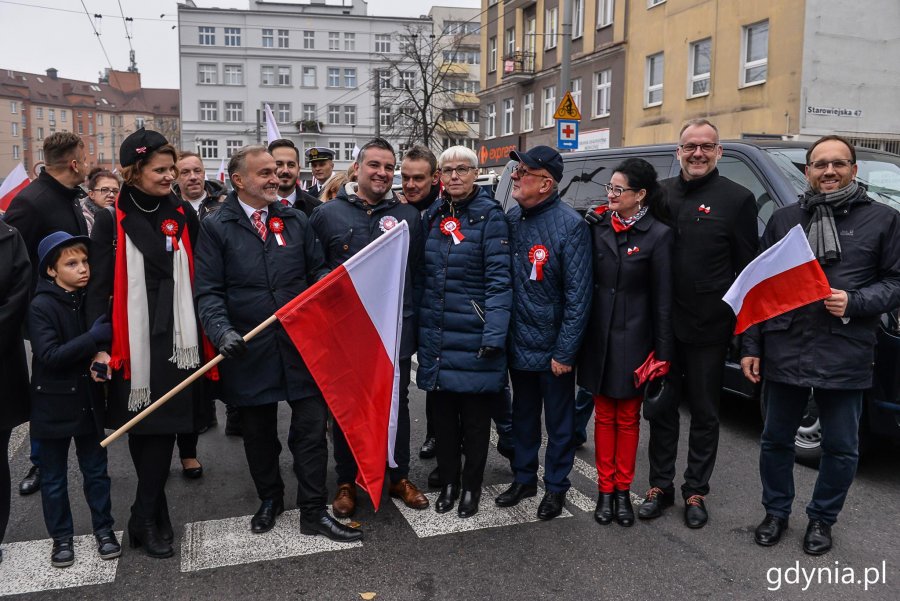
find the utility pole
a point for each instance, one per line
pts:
(377, 105)
(566, 32)
(258, 126)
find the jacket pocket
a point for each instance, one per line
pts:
(339, 244)
(862, 333)
(56, 387)
(777, 324)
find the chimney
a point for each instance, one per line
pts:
(51, 73)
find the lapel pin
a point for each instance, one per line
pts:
(703, 209)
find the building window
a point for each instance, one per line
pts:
(40, 112)
(384, 78)
(209, 110)
(548, 106)
(577, 19)
(99, 118)
(309, 40)
(334, 40)
(755, 54)
(232, 146)
(283, 38)
(234, 112)
(334, 114)
(382, 43)
(652, 3)
(653, 95)
(15, 153)
(13, 107)
(461, 27)
(490, 125)
(605, 10)
(408, 80)
(207, 36)
(40, 134)
(334, 77)
(90, 128)
(350, 42)
(90, 148)
(575, 89)
(698, 84)
(350, 78)
(308, 77)
(139, 122)
(51, 116)
(551, 26)
(602, 93)
(384, 116)
(267, 75)
(207, 74)
(14, 129)
(100, 138)
(268, 38)
(348, 150)
(492, 54)
(335, 147)
(309, 112)
(528, 111)
(349, 114)
(80, 128)
(234, 75)
(209, 149)
(509, 41)
(284, 75)
(283, 112)
(232, 36)
(508, 109)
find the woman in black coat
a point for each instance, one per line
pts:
(15, 283)
(152, 238)
(630, 318)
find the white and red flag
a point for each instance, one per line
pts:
(347, 329)
(223, 171)
(785, 276)
(14, 183)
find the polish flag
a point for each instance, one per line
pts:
(784, 277)
(14, 183)
(223, 171)
(347, 328)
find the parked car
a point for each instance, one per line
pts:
(774, 172)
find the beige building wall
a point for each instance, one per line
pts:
(770, 108)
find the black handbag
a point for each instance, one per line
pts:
(659, 396)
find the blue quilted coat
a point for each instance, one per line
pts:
(465, 300)
(549, 315)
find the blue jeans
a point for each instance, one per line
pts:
(839, 414)
(55, 484)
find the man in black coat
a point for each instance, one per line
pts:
(827, 347)
(50, 203)
(253, 256)
(715, 237)
(287, 163)
(191, 185)
(359, 214)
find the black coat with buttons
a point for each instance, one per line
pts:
(65, 401)
(239, 282)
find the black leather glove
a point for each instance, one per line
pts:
(591, 217)
(101, 330)
(489, 352)
(232, 345)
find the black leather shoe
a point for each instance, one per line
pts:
(817, 540)
(108, 546)
(434, 478)
(447, 498)
(656, 500)
(31, 483)
(264, 518)
(429, 448)
(770, 530)
(551, 505)
(191, 472)
(623, 508)
(695, 514)
(468, 503)
(143, 533)
(515, 493)
(63, 553)
(604, 511)
(333, 529)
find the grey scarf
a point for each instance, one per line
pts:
(822, 232)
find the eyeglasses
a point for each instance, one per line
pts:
(462, 170)
(839, 164)
(522, 172)
(617, 191)
(706, 147)
(106, 191)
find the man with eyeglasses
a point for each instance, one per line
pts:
(825, 348)
(715, 237)
(552, 285)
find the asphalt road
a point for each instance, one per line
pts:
(498, 555)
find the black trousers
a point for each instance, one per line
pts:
(462, 419)
(187, 445)
(4, 481)
(700, 368)
(307, 443)
(151, 455)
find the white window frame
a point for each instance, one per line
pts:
(693, 77)
(232, 146)
(15, 152)
(577, 18)
(528, 112)
(575, 87)
(209, 111)
(350, 114)
(233, 75)
(348, 150)
(551, 27)
(509, 41)
(334, 114)
(492, 54)
(233, 37)
(384, 116)
(334, 40)
(509, 107)
(206, 36)
(650, 88)
(350, 77)
(334, 77)
(207, 148)
(283, 75)
(602, 93)
(747, 65)
(234, 112)
(310, 112)
(207, 74)
(350, 42)
(306, 70)
(284, 38)
(605, 11)
(283, 112)
(309, 40)
(408, 79)
(382, 43)
(548, 106)
(268, 38)
(490, 123)
(652, 3)
(265, 70)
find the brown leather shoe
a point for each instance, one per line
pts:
(411, 496)
(344, 503)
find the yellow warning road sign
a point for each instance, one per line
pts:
(567, 109)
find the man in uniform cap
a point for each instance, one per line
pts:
(321, 163)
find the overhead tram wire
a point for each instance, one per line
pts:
(112, 71)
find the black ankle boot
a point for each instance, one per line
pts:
(143, 533)
(164, 524)
(623, 509)
(604, 512)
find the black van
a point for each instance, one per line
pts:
(774, 172)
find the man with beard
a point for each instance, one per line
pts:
(287, 164)
(825, 347)
(321, 163)
(360, 213)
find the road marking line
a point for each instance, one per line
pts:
(26, 567)
(229, 542)
(427, 522)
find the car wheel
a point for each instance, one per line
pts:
(808, 439)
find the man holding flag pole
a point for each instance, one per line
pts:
(852, 265)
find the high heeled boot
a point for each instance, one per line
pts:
(144, 533)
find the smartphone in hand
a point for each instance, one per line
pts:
(100, 370)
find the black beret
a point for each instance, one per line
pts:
(140, 145)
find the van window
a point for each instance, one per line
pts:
(583, 183)
(735, 169)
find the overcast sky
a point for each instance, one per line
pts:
(38, 34)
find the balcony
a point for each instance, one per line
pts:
(465, 99)
(518, 67)
(449, 69)
(459, 128)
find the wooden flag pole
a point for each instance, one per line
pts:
(187, 382)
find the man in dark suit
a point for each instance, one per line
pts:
(321, 163)
(253, 256)
(287, 164)
(50, 203)
(715, 237)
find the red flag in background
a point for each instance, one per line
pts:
(14, 183)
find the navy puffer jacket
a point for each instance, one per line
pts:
(549, 315)
(457, 278)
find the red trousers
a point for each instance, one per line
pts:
(616, 434)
